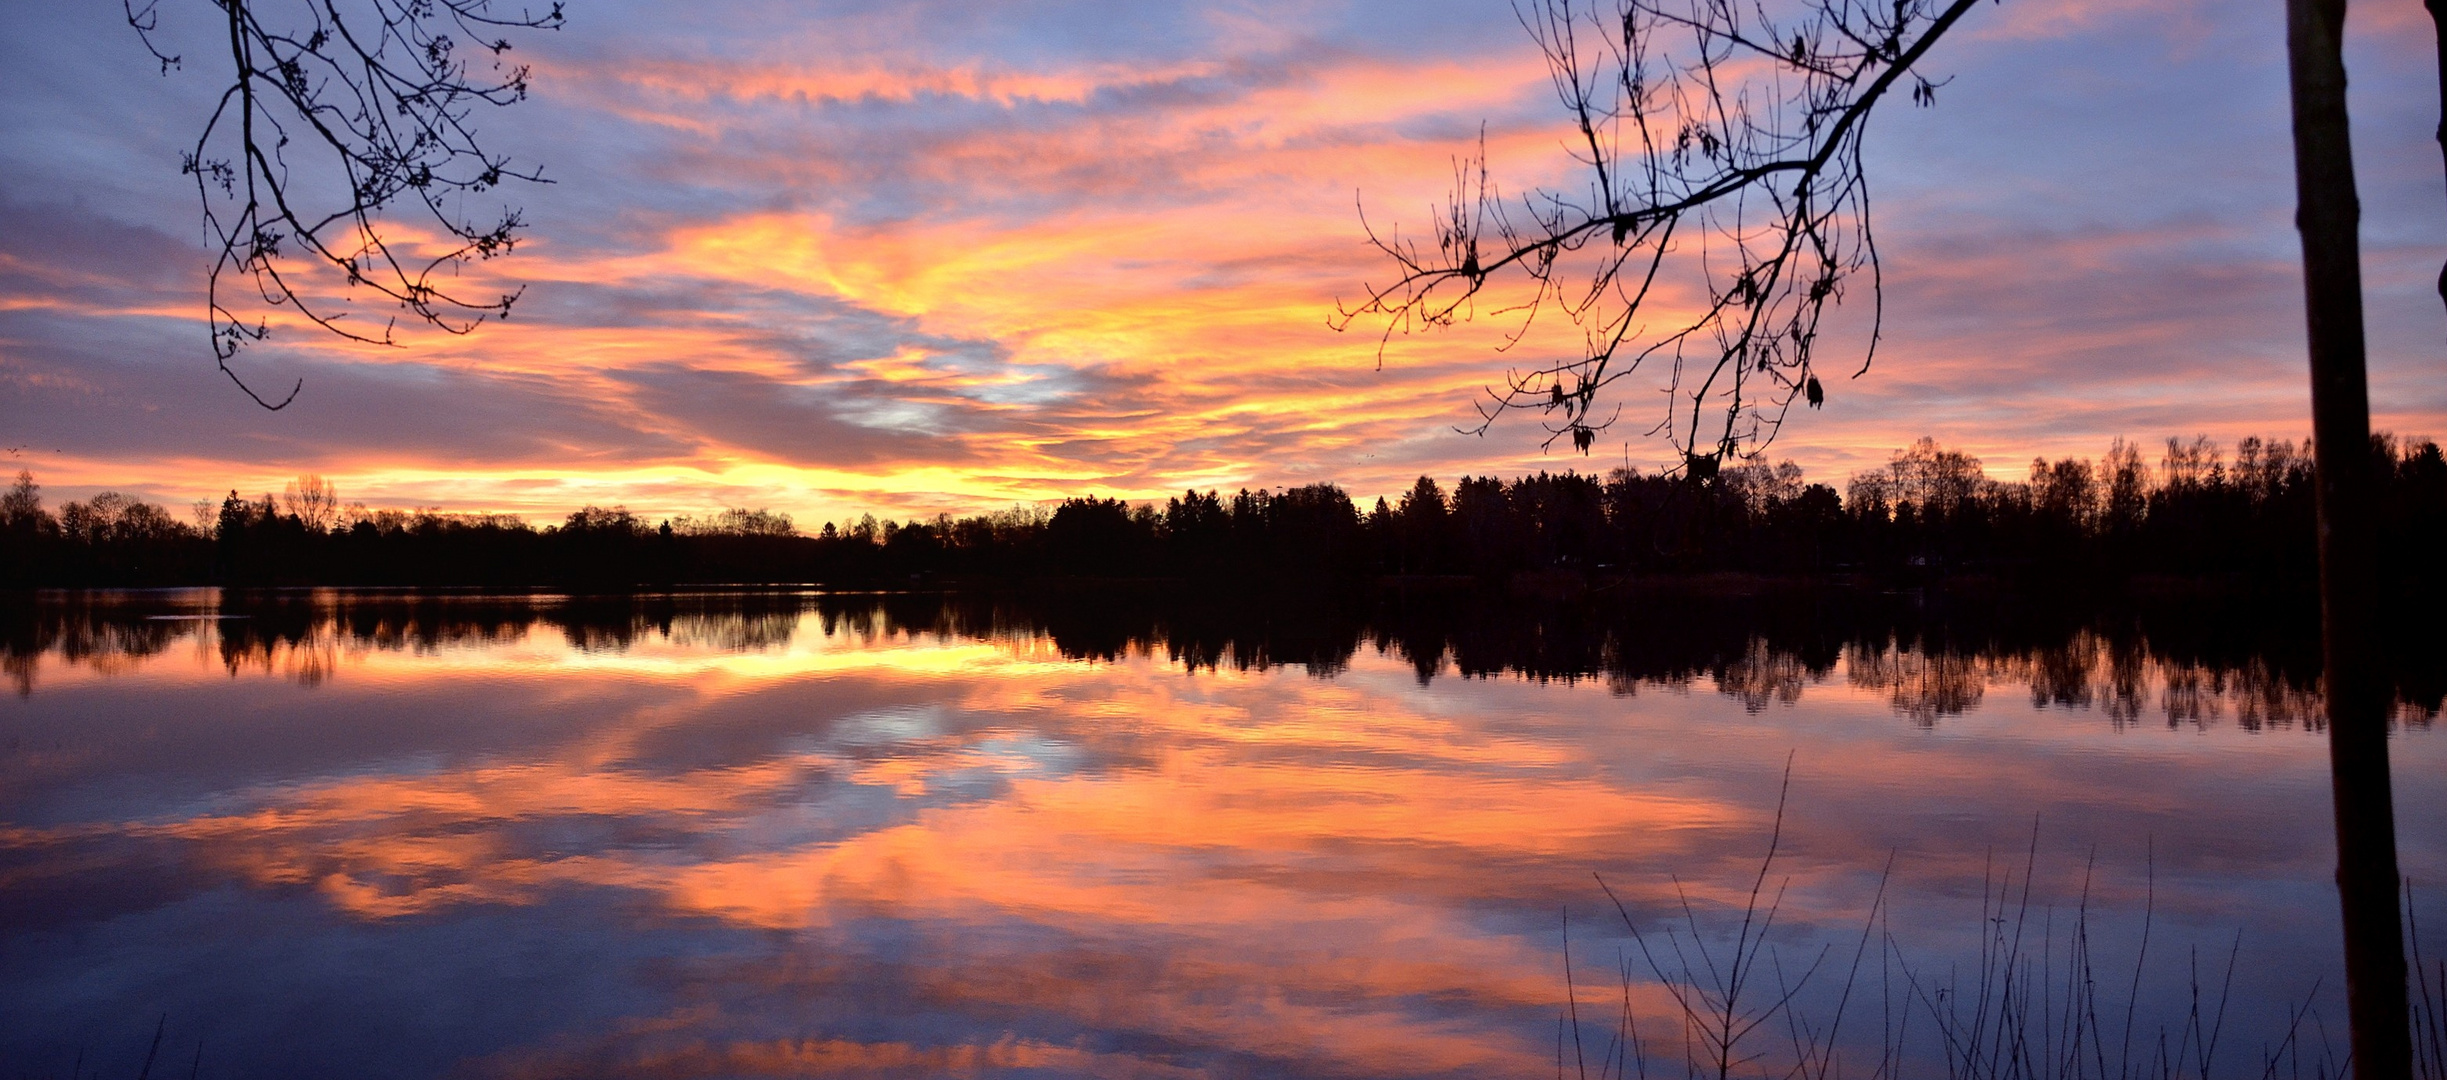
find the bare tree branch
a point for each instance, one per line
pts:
(331, 121)
(1723, 149)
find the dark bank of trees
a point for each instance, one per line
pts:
(2198, 512)
(305, 537)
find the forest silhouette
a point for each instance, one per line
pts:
(2197, 515)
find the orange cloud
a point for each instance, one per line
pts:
(882, 265)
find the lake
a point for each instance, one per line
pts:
(760, 834)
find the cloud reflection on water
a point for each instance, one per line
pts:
(850, 837)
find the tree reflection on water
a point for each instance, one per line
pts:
(2189, 663)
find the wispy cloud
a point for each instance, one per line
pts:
(915, 258)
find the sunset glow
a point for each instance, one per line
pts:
(910, 258)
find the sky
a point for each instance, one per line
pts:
(913, 258)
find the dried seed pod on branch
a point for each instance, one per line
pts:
(334, 114)
(1725, 208)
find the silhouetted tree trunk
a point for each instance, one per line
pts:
(2438, 23)
(2328, 215)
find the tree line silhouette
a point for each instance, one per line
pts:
(1929, 514)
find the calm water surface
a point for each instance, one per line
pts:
(698, 838)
